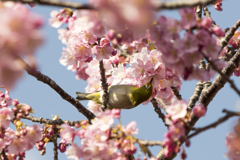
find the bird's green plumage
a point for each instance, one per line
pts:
(121, 96)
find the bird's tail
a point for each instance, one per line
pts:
(82, 96)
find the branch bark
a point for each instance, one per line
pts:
(49, 121)
(45, 79)
(228, 115)
(207, 96)
(105, 96)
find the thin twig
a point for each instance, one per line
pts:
(176, 92)
(45, 79)
(158, 110)
(229, 55)
(208, 14)
(105, 96)
(224, 41)
(199, 12)
(149, 143)
(4, 155)
(59, 3)
(233, 86)
(49, 121)
(182, 4)
(196, 94)
(55, 148)
(215, 124)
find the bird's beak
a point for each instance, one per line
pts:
(151, 80)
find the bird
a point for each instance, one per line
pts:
(120, 96)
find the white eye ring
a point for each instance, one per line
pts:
(147, 86)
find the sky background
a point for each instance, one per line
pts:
(46, 102)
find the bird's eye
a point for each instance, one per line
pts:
(147, 86)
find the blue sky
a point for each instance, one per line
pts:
(46, 102)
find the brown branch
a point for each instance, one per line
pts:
(176, 92)
(105, 96)
(208, 14)
(164, 5)
(158, 110)
(229, 55)
(207, 96)
(182, 3)
(215, 124)
(199, 12)
(149, 143)
(233, 86)
(49, 121)
(4, 154)
(45, 79)
(59, 3)
(224, 41)
(196, 94)
(55, 148)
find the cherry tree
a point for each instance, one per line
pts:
(110, 42)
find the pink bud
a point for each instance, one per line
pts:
(206, 22)
(199, 110)
(62, 147)
(65, 20)
(15, 102)
(111, 34)
(218, 31)
(60, 17)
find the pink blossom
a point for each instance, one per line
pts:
(116, 113)
(131, 129)
(177, 130)
(74, 152)
(67, 133)
(17, 145)
(6, 115)
(34, 134)
(177, 109)
(188, 18)
(54, 20)
(103, 51)
(199, 110)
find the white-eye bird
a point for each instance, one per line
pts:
(120, 96)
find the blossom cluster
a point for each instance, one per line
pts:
(167, 51)
(15, 143)
(20, 36)
(177, 118)
(101, 139)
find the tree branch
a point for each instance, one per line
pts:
(55, 148)
(149, 143)
(182, 3)
(207, 96)
(215, 124)
(158, 110)
(45, 79)
(176, 92)
(59, 3)
(224, 41)
(160, 6)
(4, 154)
(49, 121)
(196, 94)
(208, 14)
(104, 86)
(233, 86)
